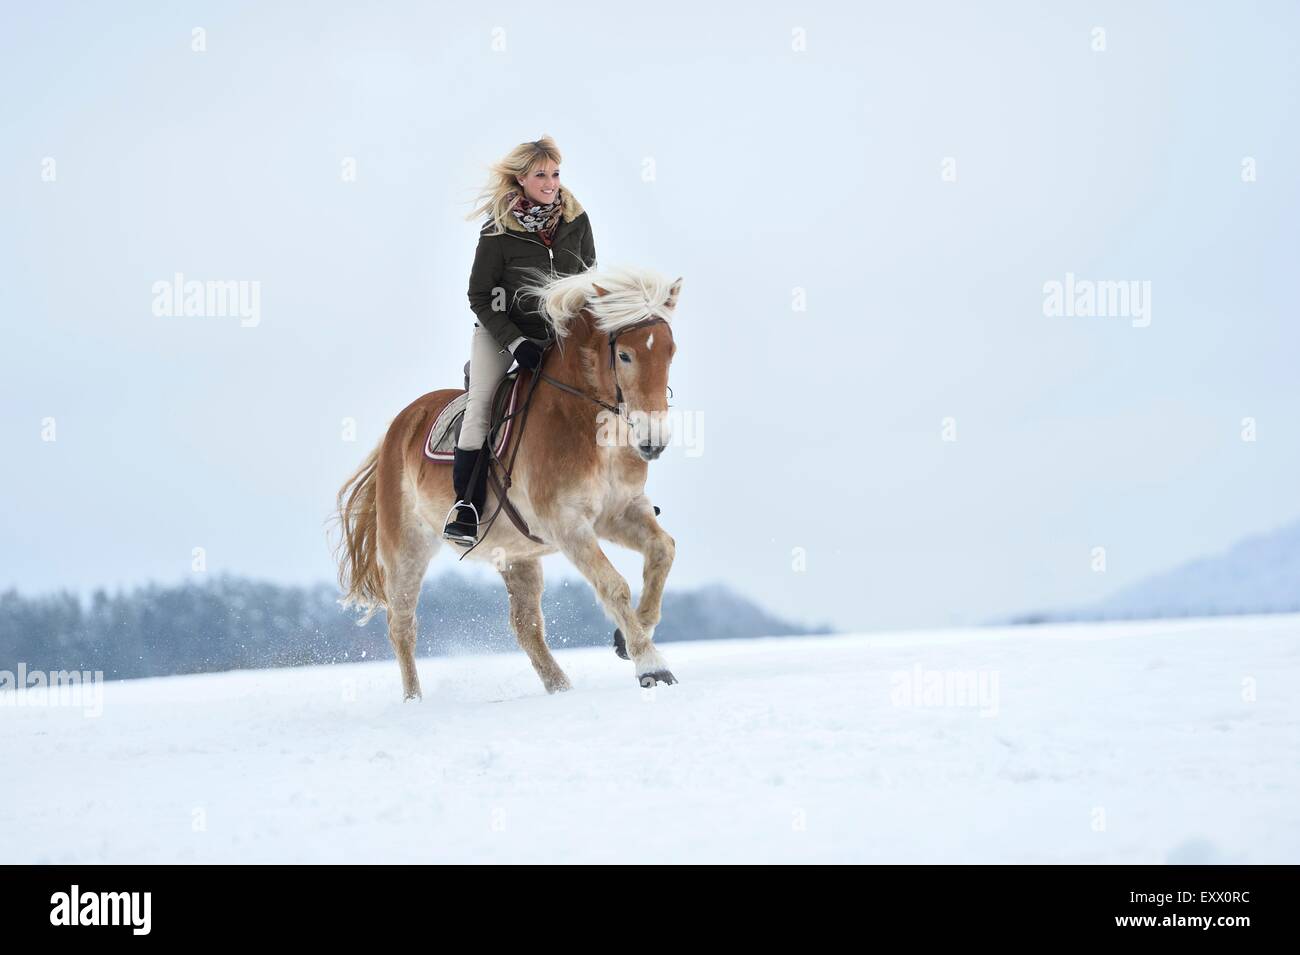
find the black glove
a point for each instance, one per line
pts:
(529, 354)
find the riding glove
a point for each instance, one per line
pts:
(528, 354)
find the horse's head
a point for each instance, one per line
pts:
(638, 358)
(620, 319)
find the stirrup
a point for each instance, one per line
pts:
(458, 531)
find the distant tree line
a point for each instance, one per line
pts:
(227, 623)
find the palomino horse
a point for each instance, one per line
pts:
(571, 483)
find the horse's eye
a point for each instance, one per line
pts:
(625, 356)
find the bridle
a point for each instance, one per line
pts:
(617, 407)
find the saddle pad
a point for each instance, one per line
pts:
(441, 443)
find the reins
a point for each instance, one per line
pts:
(499, 486)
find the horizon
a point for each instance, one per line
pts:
(1108, 609)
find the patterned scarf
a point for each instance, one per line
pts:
(543, 220)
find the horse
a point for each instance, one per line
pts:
(578, 471)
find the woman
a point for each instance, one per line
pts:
(533, 222)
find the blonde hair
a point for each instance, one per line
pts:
(503, 179)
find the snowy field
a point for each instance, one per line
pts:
(1150, 742)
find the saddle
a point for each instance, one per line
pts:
(441, 443)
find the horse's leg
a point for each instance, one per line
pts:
(405, 560)
(524, 584)
(637, 529)
(580, 545)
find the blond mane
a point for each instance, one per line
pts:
(632, 295)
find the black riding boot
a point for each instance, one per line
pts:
(462, 519)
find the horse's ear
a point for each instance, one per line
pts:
(600, 292)
(672, 295)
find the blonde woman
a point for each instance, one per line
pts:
(533, 222)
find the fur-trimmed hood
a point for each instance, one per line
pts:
(572, 209)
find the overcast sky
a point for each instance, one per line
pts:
(865, 201)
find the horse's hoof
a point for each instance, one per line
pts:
(620, 645)
(648, 680)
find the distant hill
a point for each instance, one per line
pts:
(1260, 574)
(227, 623)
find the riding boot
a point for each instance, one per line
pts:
(462, 519)
(478, 493)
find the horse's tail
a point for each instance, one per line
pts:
(360, 575)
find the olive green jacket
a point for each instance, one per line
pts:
(496, 276)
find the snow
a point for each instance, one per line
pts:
(1120, 742)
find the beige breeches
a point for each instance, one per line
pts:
(488, 364)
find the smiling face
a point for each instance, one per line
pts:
(542, 184)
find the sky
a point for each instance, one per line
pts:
(867, 203)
